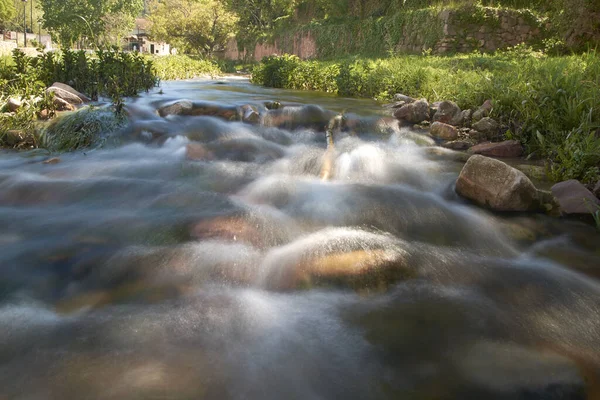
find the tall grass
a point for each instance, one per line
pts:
(550, 104)
(184, 67)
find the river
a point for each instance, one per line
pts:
(135, 272)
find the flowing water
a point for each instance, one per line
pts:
(143, 271)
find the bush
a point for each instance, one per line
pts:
(549, 103)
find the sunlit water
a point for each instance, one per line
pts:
(134, 272)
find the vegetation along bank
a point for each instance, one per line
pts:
(550, 104)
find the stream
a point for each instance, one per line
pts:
(208, 259)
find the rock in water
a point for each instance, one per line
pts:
(443, 131)
(496, 185)
(71, 90)
(448, 112)
(507, 148)
(574, 198)
(65, 95)
(415, 113)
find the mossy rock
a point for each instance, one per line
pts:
(87, 127)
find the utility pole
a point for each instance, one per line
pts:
(25, 23)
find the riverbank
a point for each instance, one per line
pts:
(547, 103)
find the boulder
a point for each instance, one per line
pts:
(448, 112)
(443, 131)
(199, 108)
(71, 90)
(414, 113)
(65, 95)
(249, 114)
(486, 126)
(180, 107)
(467, 117)
(483, 111)
(496, 185)
(404, 98)
(13, 104)
(457, 145)
(574, 198)
(62, 105)
(507, 148)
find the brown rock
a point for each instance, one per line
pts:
(508, 148)
(574, 198)
(44, 114)
(496, 185)
(443, 131)
(414, 113)
(448, 112)
(249, 114)
(198, 152)
(53, 160)
(457, 145)
(487, 126)
(71, 90)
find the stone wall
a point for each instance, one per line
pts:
(461, 30)
(490, 30)
(303, 46)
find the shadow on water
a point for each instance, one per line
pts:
(213, 259)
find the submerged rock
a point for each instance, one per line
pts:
(507, 148)
(443, 131)
(199, 108)
(414, 113)
(295, 117)
(496, 185)
(574, 198)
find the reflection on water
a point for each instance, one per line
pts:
(215, 263)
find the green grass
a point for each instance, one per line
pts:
(184, 67)
(550, 104)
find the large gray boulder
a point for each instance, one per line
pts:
(71, 90)
(448, 112)
(414, 113)
(574, 198)
(65, 95)
(496, 185)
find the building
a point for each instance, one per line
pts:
(139, 40)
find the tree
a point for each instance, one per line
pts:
(197, 26)
(69, 20)
(7, 12)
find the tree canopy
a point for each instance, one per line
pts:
(7, 11)
(69, 20)
(197, 26)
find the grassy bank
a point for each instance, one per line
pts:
(550, 104)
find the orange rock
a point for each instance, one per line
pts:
(197, 152)
(53, 160)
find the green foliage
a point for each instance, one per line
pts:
(196, 26)
(184, 67)
(7, 11)
(72, 19)
(548, 103)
